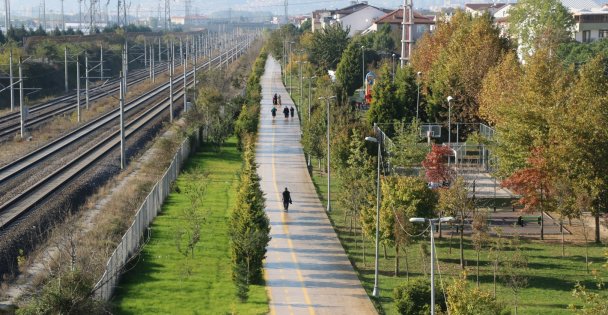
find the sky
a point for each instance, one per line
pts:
(150, 7)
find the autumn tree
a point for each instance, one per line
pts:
(579, 139)
(436, 164)
(403, 197)
(465, 49)
(465, 300)
(455, 201)
(480, 235)
(540, 24)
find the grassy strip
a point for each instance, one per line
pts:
(159, 284)
(551, 278)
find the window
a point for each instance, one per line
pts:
(603, 34)
(586, 36)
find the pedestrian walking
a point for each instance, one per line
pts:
(292, 110)
(286, 112)
(280, 100)
(274, 112)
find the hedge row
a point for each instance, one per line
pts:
(249, 224)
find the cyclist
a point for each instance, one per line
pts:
(286, 199)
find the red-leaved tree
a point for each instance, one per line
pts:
(532, 183)
(435, 164)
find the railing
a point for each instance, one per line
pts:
(132, 239)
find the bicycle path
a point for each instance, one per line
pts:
(306, 269)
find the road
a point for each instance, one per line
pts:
(306, 269)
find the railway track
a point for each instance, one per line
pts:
(21, 202)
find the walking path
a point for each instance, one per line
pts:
(307, 270)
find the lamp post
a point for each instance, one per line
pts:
(376, 292)
(290, 43)
(450, 120)
(300, 62)
(363, 65)
(327, 99)
(418, 93)
(432, 224)
(394, 71)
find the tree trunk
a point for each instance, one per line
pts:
(450, 244)
(462, 241)
(478, 269)
(384, 248)
(423, 258)
(407, 266)
(587, 256)
(495, 271)
(597, 227)
(561, 228)
(363, 245)
(439, 226)
(396, 260)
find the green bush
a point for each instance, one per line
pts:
(414, 297)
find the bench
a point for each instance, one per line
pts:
(528, 218)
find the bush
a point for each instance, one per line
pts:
(414, 297)
(72, 293)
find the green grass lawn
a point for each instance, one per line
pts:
(158, 283)
(551, 278)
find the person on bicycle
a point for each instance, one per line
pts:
(286, 199)
(274, 112)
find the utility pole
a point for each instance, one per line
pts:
(152, 63)
(80, 14)
(7, 16)
(10, 67)
(122, 123)
(86, 80)
(78, 88)
(62, 16)
(21, 109)
(145, 53)
(65, 61)
(170, 94)
(101, 62)
(185, 87)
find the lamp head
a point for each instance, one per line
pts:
(418, 73)
(371, 139)
(417, 220)
(450, 99)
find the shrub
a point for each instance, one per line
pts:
(414, 297)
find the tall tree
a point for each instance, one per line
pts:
(540, 24)
(328, 45)
(403, 197)
(454, 60)
(392, 100)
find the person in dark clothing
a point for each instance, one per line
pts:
(286, 112)
(286, 199)
(274, 99)
(280, 100)
(291, 110)
(274, 112)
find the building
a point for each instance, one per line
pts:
(477, 9)
(357, 17)
(590, 24)
(590, 18)
(422, 23)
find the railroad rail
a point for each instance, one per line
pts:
(20, 203)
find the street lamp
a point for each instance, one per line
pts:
(363, 65)
(418, 95)
(394, 68)
(376, 292)
(301, 88)
(290, 43)
(327, 99)
(432, 224)
(450, 120)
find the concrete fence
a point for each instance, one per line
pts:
(133, 238)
